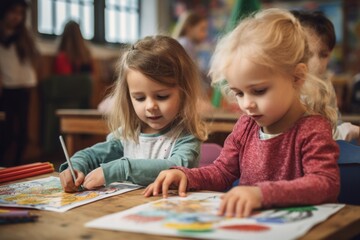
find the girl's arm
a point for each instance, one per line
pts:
(144, 171)
(220, 175)
(91, 158)
(321, 181)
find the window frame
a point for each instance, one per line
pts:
(99, 23)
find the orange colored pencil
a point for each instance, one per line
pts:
(29, 174)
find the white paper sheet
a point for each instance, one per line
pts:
(195, 217)
(47, 194)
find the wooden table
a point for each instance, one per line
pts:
(70, 225)
(90, 121)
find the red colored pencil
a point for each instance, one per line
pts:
(29, 174)
(26, 170)
(26, 166)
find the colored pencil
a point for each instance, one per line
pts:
(26, 170)
(28, 174)
(23, 167)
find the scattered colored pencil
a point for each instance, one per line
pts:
(24, 171)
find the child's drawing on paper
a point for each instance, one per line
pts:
(196, 216)
(47, 194)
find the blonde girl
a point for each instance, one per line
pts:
(154, 121)
(281, 149)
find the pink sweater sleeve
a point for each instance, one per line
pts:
(320, 182)
(220, 175)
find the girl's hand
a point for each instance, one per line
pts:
(165, 180)
(94, 179)
(240, 201)
(67, 181)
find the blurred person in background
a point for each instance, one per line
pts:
(321, 39)
(73, 55)
(18, 57)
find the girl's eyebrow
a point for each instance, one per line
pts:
(157, 91)
(250, 86)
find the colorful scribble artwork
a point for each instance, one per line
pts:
(47, 194)
(196, 217)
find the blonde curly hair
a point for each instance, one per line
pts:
(275, 39)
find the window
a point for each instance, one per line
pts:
(121, 20)
(115, 21)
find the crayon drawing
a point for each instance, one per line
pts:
(195, 217)
(47, 194)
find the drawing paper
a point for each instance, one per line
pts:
(195, 217)
(47, 194)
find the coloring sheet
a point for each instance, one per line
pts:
(47, 194)
(195, 217)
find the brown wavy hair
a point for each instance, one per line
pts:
(164, 60)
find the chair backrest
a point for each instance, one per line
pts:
(61, 92)
(349, 164)
(209, 153)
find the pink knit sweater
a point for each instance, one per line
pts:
(297, 167)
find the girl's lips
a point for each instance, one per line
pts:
(154, 118)
(256, 117)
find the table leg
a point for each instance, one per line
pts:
(70, 144)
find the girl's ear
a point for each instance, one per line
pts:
(300, 72)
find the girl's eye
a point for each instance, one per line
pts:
(260, 91)
(163, 97)
(139, 99)
(324, 55)
(239, 94)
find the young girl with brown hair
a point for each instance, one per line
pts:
(154, 120)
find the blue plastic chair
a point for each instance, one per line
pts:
(349, 164)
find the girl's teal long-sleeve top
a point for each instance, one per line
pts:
(141, 162)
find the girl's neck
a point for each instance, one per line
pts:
(295, 112)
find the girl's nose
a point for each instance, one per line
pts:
(151, 105)
(248, 103)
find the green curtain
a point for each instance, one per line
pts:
(241, 9)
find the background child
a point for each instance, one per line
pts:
(282, 148)
(154, 121)
(321, 38)
(73, 54)
(18, 58)
(191, 30)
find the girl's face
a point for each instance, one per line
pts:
(199, 32)
(155, 104)
(270, 98)
(14, 16)
(319, 54)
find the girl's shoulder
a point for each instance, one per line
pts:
(245, 125)
(313, 123)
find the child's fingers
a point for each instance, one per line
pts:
(158, 184)
(247, 209)
(67, 181)
(222, 206)
(90, 184)
(165, 186)
(79, 179)
(231, 206)
(182, 187)
(148, 190)
(240, 207)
